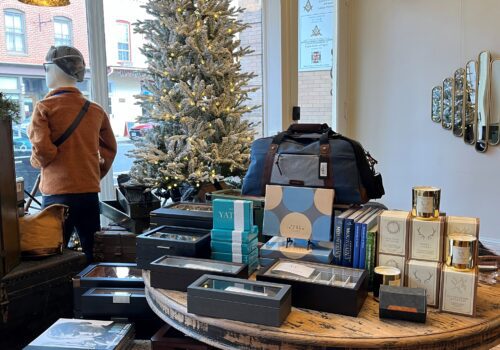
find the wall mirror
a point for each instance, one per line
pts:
(458, 110)
(447, 115)
(483, 101)
(494, 137)
(437, 101)
(470, 102)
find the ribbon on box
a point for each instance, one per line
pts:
(239, 215)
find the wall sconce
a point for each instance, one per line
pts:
(51, 3)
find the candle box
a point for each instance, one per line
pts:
(394, 261)
(240, 300)
(427, 275)
(232, 214)
(402, 303)
(426, 239)
(177, 272)
(393, 232)
(298, 212)
(297, 249)
(458, 291)
(463, 225)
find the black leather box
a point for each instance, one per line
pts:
(403, 303)
(322, 287)
(177, 272)
(198, 215)
(127, 303)
(172, 240)
(105, 275)
(240, 300)
(114, 244)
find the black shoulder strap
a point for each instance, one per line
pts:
(73, 125)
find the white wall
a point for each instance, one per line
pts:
(124, 107)
(399, 50)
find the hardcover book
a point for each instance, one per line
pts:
(338, 235)
(71, 334)
(371, 253)
(365, 225)
(298, 212)
(348, 248)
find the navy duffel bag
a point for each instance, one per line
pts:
(313, 155)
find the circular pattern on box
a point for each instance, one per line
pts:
(274, 195)
(301, 204)
(323, 201)
(296, 225)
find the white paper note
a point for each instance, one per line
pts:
(296, 269)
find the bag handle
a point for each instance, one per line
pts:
(309, 128)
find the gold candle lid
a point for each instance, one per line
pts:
(387, 270)
(426, 188)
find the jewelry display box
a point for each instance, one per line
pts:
(116, 302)
(239, 300)
(197, 215)
(172, 240)
(177, 272)
(402, 303)
(105, 275)
(320, 286)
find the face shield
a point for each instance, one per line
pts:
(69, 59)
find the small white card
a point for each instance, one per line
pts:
(121, 298)
(295, 269)
(245, 291)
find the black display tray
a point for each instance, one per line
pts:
(177, 272)
(240, 300)
(172, 240)
(317, 294)
(114, 211)
(197, 215)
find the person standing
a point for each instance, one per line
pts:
(73, 145)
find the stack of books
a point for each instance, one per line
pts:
(234, 236)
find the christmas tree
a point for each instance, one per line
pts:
(197, 95)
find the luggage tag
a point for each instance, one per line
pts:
(323, 167)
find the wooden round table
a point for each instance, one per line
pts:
(307, 329)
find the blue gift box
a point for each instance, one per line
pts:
(249, 259)
(316, 252)
(234, 248)
(232, 214)
(235, 236)
(298, 212)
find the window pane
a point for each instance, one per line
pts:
(19, 46)
(18, 24)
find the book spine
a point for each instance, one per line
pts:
(338, 240)
(370, 257)
(357, 241)
(362, 247)
(348, 242)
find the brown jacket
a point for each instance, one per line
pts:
(75, 166)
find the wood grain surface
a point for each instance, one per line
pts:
(308, 329)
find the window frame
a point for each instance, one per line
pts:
(22, 15)
(123, 23)
(69, 22)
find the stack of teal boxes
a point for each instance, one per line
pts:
(234, 236)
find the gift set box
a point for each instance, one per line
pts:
(105, 275)
(234, 237)
(257, 204)
(240, 300)
(329, 288)
(277, 247)
(197, 215)
(426, 275)
(458, 291)
(172, 240)
(403, 303)
(177, 273)
(426, 239)
(298, 212)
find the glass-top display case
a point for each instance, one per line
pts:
(107, 271)
(319, 286)
(177, 272)
(198, 215)
(115, 302)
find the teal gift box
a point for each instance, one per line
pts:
(232, 214)
(237, 248)
(298, 212)
(235, 236)
(248, 259)
(298, 249)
